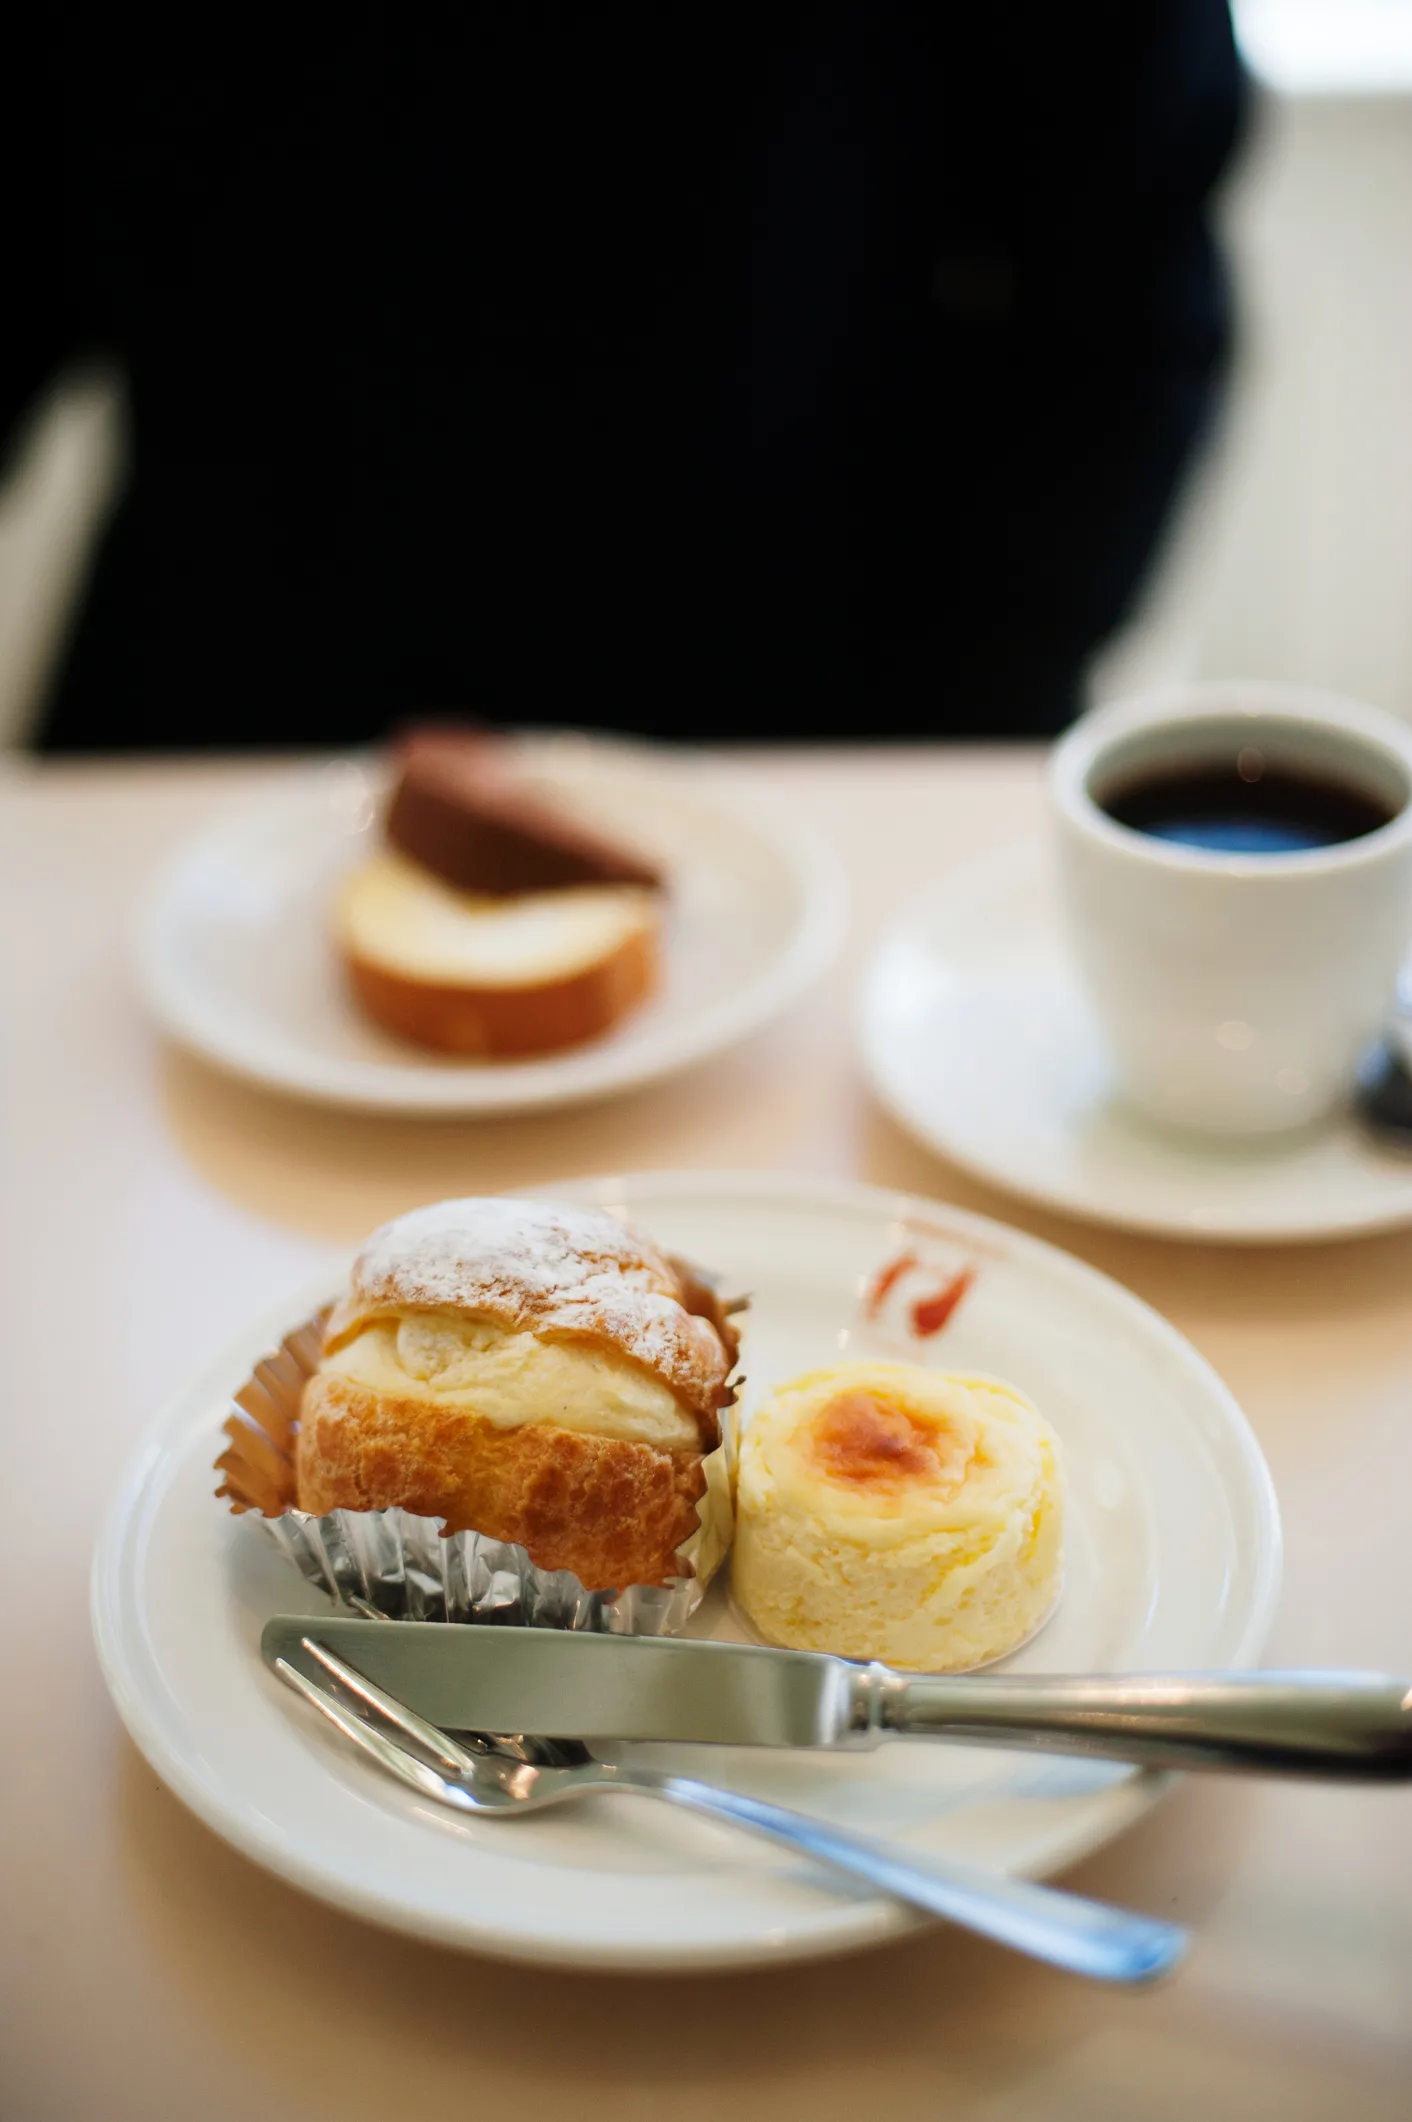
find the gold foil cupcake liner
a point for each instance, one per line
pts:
(403, 1566)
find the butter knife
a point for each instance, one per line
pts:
(1354, 1726)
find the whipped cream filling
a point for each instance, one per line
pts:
(512, 1378)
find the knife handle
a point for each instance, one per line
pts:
(1346, 1725)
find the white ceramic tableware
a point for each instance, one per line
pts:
(977, 1038)
(1172, 1559)
(1235, 990)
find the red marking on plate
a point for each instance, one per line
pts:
(930, 1314)
(885, 1281)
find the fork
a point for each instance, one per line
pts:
(516, 1776)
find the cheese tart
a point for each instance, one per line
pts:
(892, 1512)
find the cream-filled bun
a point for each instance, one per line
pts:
(537, 1374)
(886, 1511)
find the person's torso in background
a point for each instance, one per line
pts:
(684, 368)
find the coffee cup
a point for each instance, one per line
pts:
(1236, 870)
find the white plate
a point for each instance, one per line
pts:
(1172, 1560)
(976, 1037)
(236, 961)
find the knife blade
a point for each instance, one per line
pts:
(554, 1683)
(560, 1684)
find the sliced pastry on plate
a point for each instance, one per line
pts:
(491, 923)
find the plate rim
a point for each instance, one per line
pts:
(1083, 1208)
(847, 1926)
(577, 1076)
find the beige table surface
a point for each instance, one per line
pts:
(151, 1206)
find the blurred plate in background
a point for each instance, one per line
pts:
(237, 959)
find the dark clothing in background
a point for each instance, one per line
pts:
(697, 369)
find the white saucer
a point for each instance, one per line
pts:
(976, 1038)
(235, 958)
(1172, 1560)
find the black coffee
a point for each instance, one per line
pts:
(1244, 806)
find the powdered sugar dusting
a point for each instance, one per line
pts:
(560, 1272)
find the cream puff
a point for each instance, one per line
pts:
(540, 1375)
